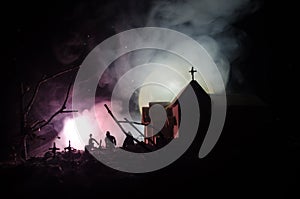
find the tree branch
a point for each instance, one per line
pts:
(61, 110)
(35, 124)
(43, 80)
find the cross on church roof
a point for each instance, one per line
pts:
(192, 71)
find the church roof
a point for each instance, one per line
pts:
(233, 99)
(199, 91)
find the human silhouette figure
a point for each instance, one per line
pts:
(110, 141)
(128, 141)
(91, 142)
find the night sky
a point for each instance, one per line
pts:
(44, 37)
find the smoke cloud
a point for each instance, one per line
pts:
(210, 22)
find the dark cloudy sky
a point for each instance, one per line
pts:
(45, 36)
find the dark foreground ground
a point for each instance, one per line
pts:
(255, 156)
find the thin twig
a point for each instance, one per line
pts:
(61, 110)
(43, 80)
(35, 124)
(73, 66)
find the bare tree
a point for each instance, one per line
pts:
(30, 129)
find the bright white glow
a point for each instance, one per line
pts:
(95, 121)
(70, 132)
(174, 79)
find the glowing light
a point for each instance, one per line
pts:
(174, 79)
(70, 132)
(173, 71)
(95, 121)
